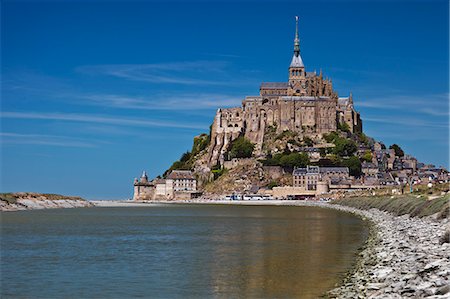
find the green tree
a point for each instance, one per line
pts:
(294, 160)
(241, 148)
(288, 160)
(344, 127)
(363, 138)
(344, 147)
(185, 157)
(398, 150)
(308, 141)
(367, 156)
(354, 165)
(330, 137)
(200, 143)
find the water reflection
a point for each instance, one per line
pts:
(177, 252)
(284, 253)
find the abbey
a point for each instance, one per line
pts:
(306, 104)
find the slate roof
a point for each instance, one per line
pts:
(297, 61)
(180, 174)
(323, 170)
(274, 85)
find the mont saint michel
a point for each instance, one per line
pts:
(297, 139)
(224, 150)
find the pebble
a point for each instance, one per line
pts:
(402, 259)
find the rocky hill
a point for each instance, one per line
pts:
(244, 170)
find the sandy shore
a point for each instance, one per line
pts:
(119, 203)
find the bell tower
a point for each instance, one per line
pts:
(297, 85)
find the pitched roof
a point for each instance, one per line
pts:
(297, 61)
(273, 85)
(181, 174)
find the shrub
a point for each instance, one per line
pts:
(330, 137)
(185, 157)
(308, 141)
(286, 133)
(288, 160)
(398, 150)
(344, 127)
(218, 171)
(354, 166)
(241, 148)
(200, 143)
(344, 147)
(272, 184)
(367, 156)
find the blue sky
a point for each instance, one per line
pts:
(95, 92)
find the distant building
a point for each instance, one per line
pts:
(179, 184)
(143, 188)
(181, 180)
(310, 176)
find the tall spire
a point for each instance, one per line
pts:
(296, 59)
(296, 40)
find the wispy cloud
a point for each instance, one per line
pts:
(102, 119)
(434, 105)
(38, 139)
(414, 122)
(163, 102)
(183, 72)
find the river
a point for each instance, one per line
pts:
(177, 251)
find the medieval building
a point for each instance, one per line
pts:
(179, 184)
(306, 104)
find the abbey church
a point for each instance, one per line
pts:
(305, 104)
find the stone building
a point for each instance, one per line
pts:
(311, 177)
(181, 180)
(306, 104)
(143, 189)
(179, 184)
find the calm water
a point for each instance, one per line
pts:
(181, 251)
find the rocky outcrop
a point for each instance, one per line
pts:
(35, 201)
(248, 176)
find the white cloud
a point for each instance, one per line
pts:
(407, 122)
(163, 102)
(38, 139)
(89, 118)
(434, 105)
(184, 72)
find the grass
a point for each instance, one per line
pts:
(416, 206)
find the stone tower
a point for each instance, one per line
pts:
(297, 85)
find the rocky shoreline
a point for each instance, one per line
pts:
(403, 257)
(21, 201)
